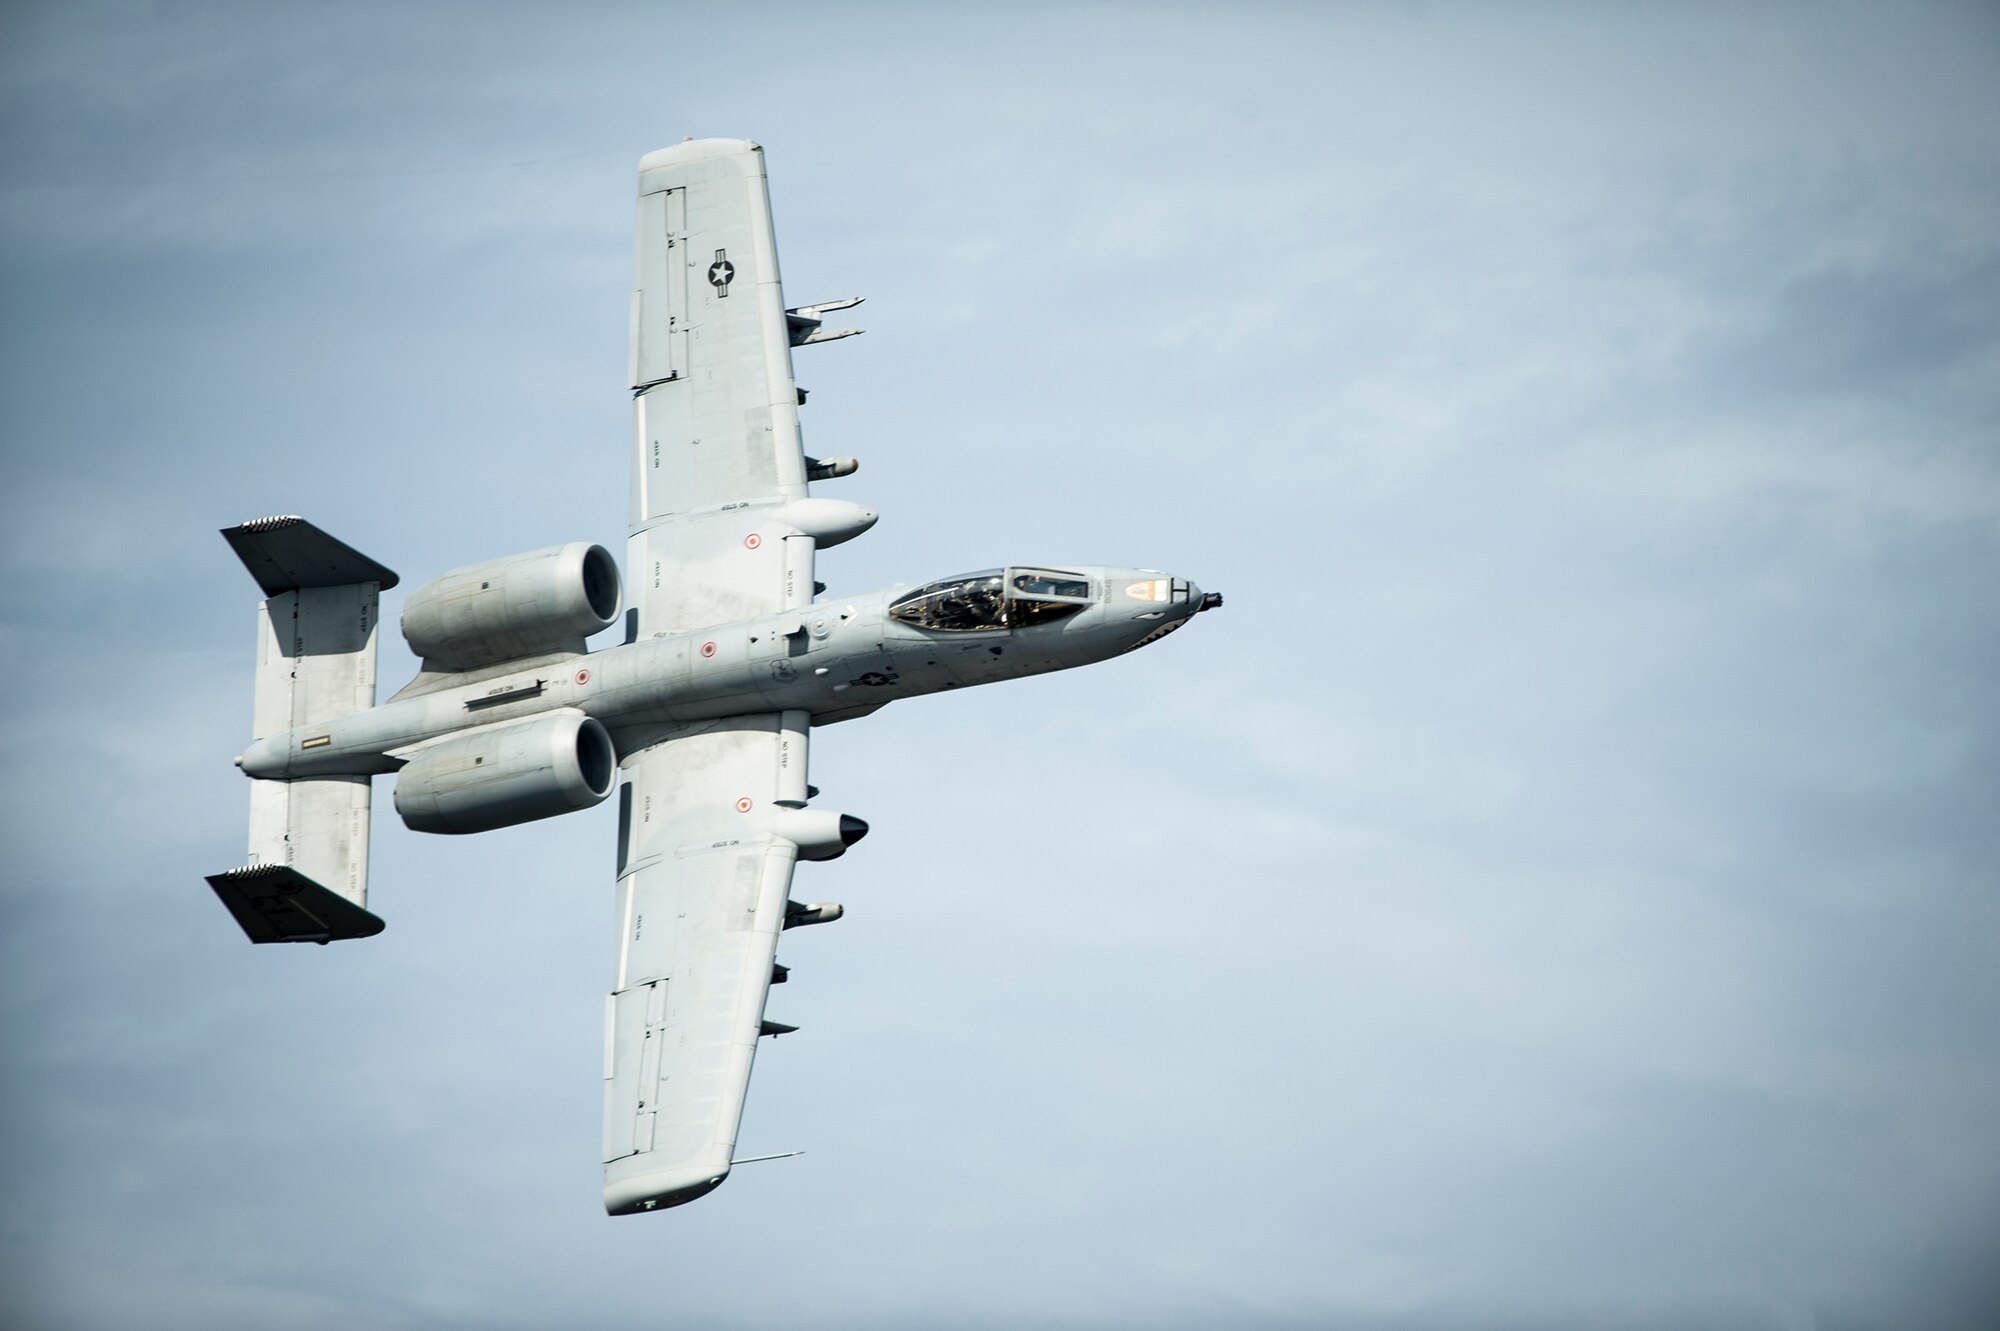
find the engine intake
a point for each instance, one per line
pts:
(501, 775)
(506, 609)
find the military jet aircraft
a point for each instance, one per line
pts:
(731, 656)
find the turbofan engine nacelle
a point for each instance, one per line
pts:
(506, 609)
(498, 776)
(820, 834)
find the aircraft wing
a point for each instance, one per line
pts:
(702, 894)
(716, 446)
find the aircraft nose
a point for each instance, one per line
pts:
(1161, 594)
(1194, 598)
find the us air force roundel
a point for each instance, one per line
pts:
(721, 272)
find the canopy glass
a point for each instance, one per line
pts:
(993, 599)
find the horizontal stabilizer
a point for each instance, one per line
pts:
(275, 903)
(286, 554)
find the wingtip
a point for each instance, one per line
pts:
(659, 1190)
(695, 150)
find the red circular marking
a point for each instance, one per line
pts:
(743, 805)
(708, 649)
(583, 676)
(752, 541)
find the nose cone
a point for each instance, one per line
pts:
(1145, 590)
(1151, 604)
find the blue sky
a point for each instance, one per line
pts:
(1558, 890)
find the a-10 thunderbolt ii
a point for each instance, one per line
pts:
(731, 656)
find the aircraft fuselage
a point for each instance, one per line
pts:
(832, 659)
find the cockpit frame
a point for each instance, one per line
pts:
(994, 600)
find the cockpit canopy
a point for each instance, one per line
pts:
(993, 599)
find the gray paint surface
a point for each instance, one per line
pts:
(1580, 909)
(510, 721)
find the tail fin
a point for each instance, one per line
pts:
(275, 904)
(316, 633)
(315, 662)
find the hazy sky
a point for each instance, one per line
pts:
(1562, 887)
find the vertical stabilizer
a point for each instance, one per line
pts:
(315, 662)
(315, 656)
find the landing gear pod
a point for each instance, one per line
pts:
(828, 521)
(820, 834)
